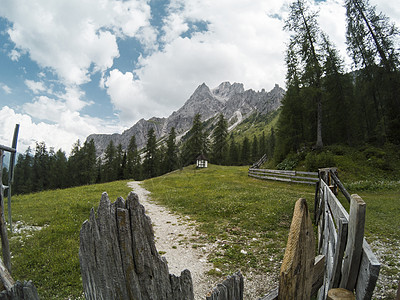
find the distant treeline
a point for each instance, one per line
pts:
(42, 169)
(324, 104)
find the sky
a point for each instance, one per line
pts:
(70, 68)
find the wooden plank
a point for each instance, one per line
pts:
(339, 253)
(336, 207)
(368, 273)
(294, 174)
(281, 179)
(6, 280)
(352, 258)
(5, 247)
(283, 175)
(295, 280)
(8, 149)
(271, 295)
(318, 273)
(341, 186)
(316, 202)
(332, 231)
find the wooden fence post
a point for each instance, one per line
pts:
(5, 247)
(352, 257)
(296, 274)
(119, 259)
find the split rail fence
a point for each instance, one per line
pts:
(284, 175)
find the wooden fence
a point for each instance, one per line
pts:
(284, 175)
(9, 289)
(119, 259)
(350, 262)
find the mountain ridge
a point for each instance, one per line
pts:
(232, 100)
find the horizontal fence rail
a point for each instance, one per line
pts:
(285, 175)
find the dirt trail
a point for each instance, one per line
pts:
(172, 237)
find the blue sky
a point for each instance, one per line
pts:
(69, 68)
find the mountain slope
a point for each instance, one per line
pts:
(232, 100)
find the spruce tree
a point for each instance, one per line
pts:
(109, 172)
(305, 41)
(171, 153)
(254, 149)
(150, 167)
(219, 146)
(196, 143)
(245, 151)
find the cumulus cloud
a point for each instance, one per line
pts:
(243, 43)
(72, 36)
(60, 135)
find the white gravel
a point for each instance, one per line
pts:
(172, 237)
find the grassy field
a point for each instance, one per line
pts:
(49, 257)
(247, 218)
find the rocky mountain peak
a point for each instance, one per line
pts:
(226, 90)
(232, 100)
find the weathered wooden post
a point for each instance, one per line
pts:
(119, 259)
(296, 275)
(352, 257)
(340, 294)
(11, 172)
(3, 228)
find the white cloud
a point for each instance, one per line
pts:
(129, 98)
(62, 135)
(72, 36)
(35, 86)
(243, 43)
(5, 88)
(14, 55)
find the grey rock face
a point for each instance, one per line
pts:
(232, 100)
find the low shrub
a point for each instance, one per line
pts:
(315, 161)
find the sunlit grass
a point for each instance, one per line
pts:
(50, 257)
(248, 218)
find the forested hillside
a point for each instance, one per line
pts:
(323, 104)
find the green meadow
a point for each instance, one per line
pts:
(248, 219)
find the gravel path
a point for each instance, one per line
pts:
(173, 235)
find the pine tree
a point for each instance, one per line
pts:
(171, 153)
(109, 172)
(263, 145)
(150, 167)
(219, 146)
(133, 167)
(23, 173)
(119, 162)
(196, 143)
(58, 170)
(254, 149)
(233, 152)
(245, 151)
(372, 43)
(41, 167)
(302, 22)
